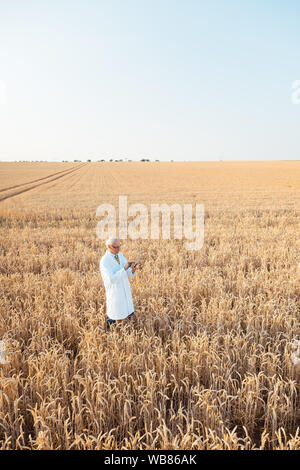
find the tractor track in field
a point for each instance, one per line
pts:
(24, 190)
(35, 181)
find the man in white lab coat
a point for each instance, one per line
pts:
(115, 271)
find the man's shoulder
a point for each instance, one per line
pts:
(105, 258)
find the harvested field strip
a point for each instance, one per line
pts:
(16, 193)
(34, 181)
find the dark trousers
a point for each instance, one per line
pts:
(110, 322)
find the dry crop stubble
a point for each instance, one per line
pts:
(205, 363)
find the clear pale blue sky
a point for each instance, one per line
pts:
(158, 79)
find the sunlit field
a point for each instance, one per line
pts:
(207, 361)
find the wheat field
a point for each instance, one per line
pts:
(205, 363)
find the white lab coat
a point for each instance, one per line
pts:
(117, 287)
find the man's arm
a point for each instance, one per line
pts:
(130, 273)
(106, 273)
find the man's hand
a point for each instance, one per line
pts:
(134, 266)
(127, 265)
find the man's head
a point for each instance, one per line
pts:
(113, 245)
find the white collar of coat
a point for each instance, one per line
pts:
(111, 254)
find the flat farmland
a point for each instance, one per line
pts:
(227, 185)
(210, 360)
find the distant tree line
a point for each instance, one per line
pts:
(116, 160)
(119, 160)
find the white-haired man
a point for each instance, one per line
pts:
(115, 271)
